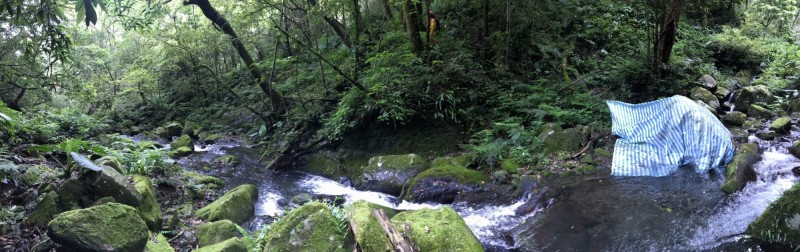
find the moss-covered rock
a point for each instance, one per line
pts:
(172, 130)
(211, 139)
(757, 111)
(442, 184)
(782, 125)
(740, 169)
(107, 227)
(454, 160)
(110, 162)
(227, 160)
(229, 245)
(322, 164)
(215, 232)
(699, 93)
(197, 185)
(180, 152)
(753, 125)
(369, 234)
(158, 243)
(780, 223)
(301, 198)
(310, 227)
(388, 174)
(739, 134)
(72, 194)
(45, 210)
(766, 135)
(438, 230)
(149, 209)
(722, 93)
(751, 95)
(183, 141)
(510, 166)
(554, 139)
(734, 118)
(795, 149)
(236, 205)
(38, 174)
(109, 182)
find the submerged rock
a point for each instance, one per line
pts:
(437, 230)
(740, 169)
(751, 95)
(442, 184)
(734, 118)
(780, 223)
(236, 205)
(149, 209)
(388, 174)
(311, 227)
(215, 232)
(781, 125)
(107, 227)
(229, 245)
(369, 234)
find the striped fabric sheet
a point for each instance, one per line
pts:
(659, 136)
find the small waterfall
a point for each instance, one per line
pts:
(730, 101)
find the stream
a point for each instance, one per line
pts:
(682, 212)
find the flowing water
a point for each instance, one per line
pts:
(682, 212)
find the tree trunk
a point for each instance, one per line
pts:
(337, 26)
(411, 17)
(669, 29)
(387, 10)
(485, 31)
(275, 98)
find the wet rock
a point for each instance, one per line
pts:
(767, 135)
(760, 112)
(369, 234)
(215, 232)
(149, 210)
(750, 96)
(708, 82)
(780, 223)
(183, 141)
(45, 210)
(536, 199)
(236, 205)
(781, 125)
(102, 200)
(795, 149)
(311, 227)
(796, 171)
(442, 184)
(321, 163)
(38, 174)
(345, 181)
(500, 176)
(490, 194)
(734, 118)
(198, 185)
(706, 106)
(702, 94)
(229, 245)
(739, 135)
(740, 170)
(108, 227)
(753, 125)
(301, 199)
(388, 174)
(158, 243)
(110, 183)
(227, 160)
(212, 139)
(437, 230)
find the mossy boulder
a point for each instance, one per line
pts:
(509, 166)
(183, 141)
(149, 209)
(554, 139)
(229, 245)
(751, 95)
(321, 163)
(442, 184)
(311, 227)
(45, 210)
(236, 205)
(388, 174)
(767, 135)
(795, 149)
(197, 185)
(753, 125)
(782, 125)
(215, 232)
(227, 160)
(172, 130)
(780, 223)
(740, 169)
(702, 94)
(438, 230)
(212, 139)
(180, 152)
(369, 234)
(110, 162)
(451, 160)
(38, 174)
(158, 243)
(107, 227)
(757, 111)
(110, 183)
(72, 194)
(739, 134)
(734, 118)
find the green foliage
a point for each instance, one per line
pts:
(256, 240)
(505, 140)
(68, 147)
(340, 219)
(771, 16)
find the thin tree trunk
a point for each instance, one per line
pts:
(275, 98)
(337, 26)
(669, 30)
(387, 10)
(411, 17)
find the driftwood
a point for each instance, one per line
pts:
(399, 242)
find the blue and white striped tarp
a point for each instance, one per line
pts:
(657, 137)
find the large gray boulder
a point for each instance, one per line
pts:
(110, 183)
(751, 95)
(107, 227)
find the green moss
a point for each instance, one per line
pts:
(213, 138)
(183, 141)
(321, 164)
(149, 209)
(780, 223)
(510, 166)
(734, 118)
(457, 160)
(215, 232)
(45, 209)
(180, 152)
(367, 231)
(158, 243)
(759, 112)
(110, 226)
(198, 178)
(699, 93)
(310, 227)
(72, 194)
(396, 162)
(601, 152)
(781, 125)
(229, 245)
(438, 230)
(37, 174)
(227, 160)
(454, 173)
(236, 205)
(737, 171)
